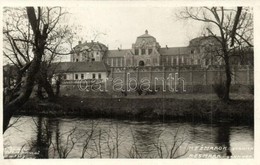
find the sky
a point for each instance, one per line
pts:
(118, 26)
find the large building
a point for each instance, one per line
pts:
(146, 51)
(93, 60)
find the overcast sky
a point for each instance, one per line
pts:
(121, 25)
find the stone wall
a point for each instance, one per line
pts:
(191, 75)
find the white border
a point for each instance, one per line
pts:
(157, 3)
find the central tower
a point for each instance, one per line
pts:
(145, 51)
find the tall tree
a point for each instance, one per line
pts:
(30, 37)
(232, 28)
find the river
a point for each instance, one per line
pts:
(41, 137)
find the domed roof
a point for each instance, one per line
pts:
(145, 38)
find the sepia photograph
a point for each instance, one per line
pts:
(128, 82)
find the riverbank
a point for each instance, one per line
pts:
(190, 109)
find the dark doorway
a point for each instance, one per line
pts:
(141, 63)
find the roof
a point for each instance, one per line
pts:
(174, 51)
(90, 45)
(147, 38)
(203, 39)
(95, 66)
(117, 53)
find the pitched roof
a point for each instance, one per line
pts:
(174, 51)
(95, 66)
(117, 53)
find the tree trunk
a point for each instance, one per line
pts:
(228, 80)
(38, 51)
(39, 92)
(47, 87)
(57, 87)
(25, 93)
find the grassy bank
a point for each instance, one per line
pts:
(239, 111)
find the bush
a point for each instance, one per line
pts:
(219, 89)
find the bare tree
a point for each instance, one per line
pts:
(30, 35)
(232, 29)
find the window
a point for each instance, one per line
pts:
(116, 59)
(77, 60)
(175, 61)
(64, 76)
(76, 76)
(192, 51)
(143, 51)
(93, 59)
(180, 61)
(150, 51)
(93, 75)
(99, 75)
(122, 61)
(148, 61)
(136, 51)
(82, 76)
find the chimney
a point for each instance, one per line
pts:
(91, 41)
(167, 47)
(79, 42)
(146, 31)
(118, 49)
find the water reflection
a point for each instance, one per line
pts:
(44, 131)
(146, 137)
(102, 138)
(223, 139)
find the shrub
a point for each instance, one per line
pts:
(219, 89)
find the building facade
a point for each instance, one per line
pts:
(146, 58)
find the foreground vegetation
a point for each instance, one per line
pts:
(190, 109)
